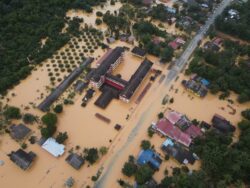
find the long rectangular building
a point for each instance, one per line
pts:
(136, 80)
(110, 61)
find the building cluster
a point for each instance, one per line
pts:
(177, 43)
(214, 45)
(114, 86)
(182, 155)
(177, 127)
(196, 85)
(233, 14)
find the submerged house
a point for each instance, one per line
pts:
(75, 160)
(182, 155)
(19, 132)
(221, 124)
(54, 148)
(166, 128)
(149, 157)
(22, 159)
(139, 52)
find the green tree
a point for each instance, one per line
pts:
(145, 144)
(92, 155)
(143, 174)
(29, 118)
(103, 150)
(49, 119)
(129, 169)
(58, 108)
(12, 112)
(61, 137)
(167, 54)
(246, 114)
(98, 21)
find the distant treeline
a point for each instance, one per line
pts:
(22, 26)
(239, 28)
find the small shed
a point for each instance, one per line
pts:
(139, 52)
(22, 158)
(19, 132)
(75, 160)
(118, 127)
(54, 148)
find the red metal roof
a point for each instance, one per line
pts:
(193, 131)
(173, 116)
(168, 129)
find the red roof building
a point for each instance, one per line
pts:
(173, 116)
(193, 131)
(217, 41)
(166, 128)
(174, 45)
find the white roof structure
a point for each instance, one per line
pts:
(51, 146)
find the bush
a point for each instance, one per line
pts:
(61, 137)
(246, 114)
(58, 108)
(98, 21)
(103, 150)
(29, 118)
(12, 112)
(150, 132)
(23, 146)
(160, 115)
(99, 14)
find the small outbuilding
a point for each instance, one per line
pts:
(75, 160)
(22, 159)
(54, 148)
(19, 132)
(139, 52)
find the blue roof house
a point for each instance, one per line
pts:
(149, 157)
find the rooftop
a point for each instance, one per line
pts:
(136, 79)
(139, 52)
(165, 127)
(75, 160)
(54, 148)
(19, 132)
(221, 124)
(149, 157)
(22, 159)
(104, 66)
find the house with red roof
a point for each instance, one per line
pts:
(177, 43)
(193, 131)
(173, 116)
(166, 128)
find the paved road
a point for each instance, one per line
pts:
(175, 70)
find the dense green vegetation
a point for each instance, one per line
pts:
(239, 28)
(224, 163)
(92, 155)
(12, 112)
(61, 137)
(223, 70)
(23, 24)
(145, 31)
(49, 120)
(246, 114)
